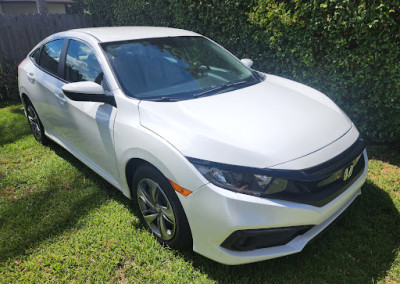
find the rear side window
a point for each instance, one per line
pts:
(81, 64)
(50, 56)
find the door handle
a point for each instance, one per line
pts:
(31, 77)
(61, 97)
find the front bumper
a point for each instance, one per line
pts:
(214, 214)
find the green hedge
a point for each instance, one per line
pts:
(226, 22)
(8, 82)
(350, 50)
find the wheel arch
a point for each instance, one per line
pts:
(25, 99)
(174, 167)
(131, 166)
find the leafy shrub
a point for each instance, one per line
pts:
(350, 50)
(207, 17)
(8, 82)
(102, 11)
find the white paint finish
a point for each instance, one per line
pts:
(85, 87)
(247, 62)
(324, 154)
(107, 34)
(45, 92)
(134, 141)
(88, 128)
(259, 126)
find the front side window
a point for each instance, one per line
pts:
(50, 56)
(81, 64)
(176, 68)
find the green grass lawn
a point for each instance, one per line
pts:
(60, 222)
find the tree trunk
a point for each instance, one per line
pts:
(42, 6)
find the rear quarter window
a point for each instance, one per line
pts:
(35, 55)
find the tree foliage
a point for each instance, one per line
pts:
(76, 7)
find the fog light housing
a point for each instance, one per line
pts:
(245, 240)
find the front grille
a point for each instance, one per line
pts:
(337, 162)
(325, 182)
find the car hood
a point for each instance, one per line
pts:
(263, 125)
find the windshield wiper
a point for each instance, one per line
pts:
(162, 99)
(220, 88)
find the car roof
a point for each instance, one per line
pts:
(110, 34)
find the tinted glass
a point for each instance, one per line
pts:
(50, 56)
(81, 64)
(179, 67)
(35, 55)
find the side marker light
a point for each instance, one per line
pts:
(180, 189)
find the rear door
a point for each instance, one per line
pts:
(45, 82)
(87, 127)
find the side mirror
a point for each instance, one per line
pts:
(87, 91)
(247, 62)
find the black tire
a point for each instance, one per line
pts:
(35, 123)
(159, 208)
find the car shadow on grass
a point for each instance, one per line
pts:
(360, 248)
(45, 212)
(108, 189)
(14, 127)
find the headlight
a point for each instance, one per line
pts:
(241, 181)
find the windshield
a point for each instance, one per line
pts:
(175, 68)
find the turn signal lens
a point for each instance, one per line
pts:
(180, 189)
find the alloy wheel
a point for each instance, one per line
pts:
(156, 209)
(34, 123)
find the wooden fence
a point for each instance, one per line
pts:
(20, 33)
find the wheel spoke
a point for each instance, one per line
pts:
(37, 130)
(150, 217)
(168, 213)
(165, 233)
(29, 111)
(153, 190)
(31, 116)
(144, 198)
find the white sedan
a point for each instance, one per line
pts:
(239, 165)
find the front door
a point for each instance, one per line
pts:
(88, 126)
